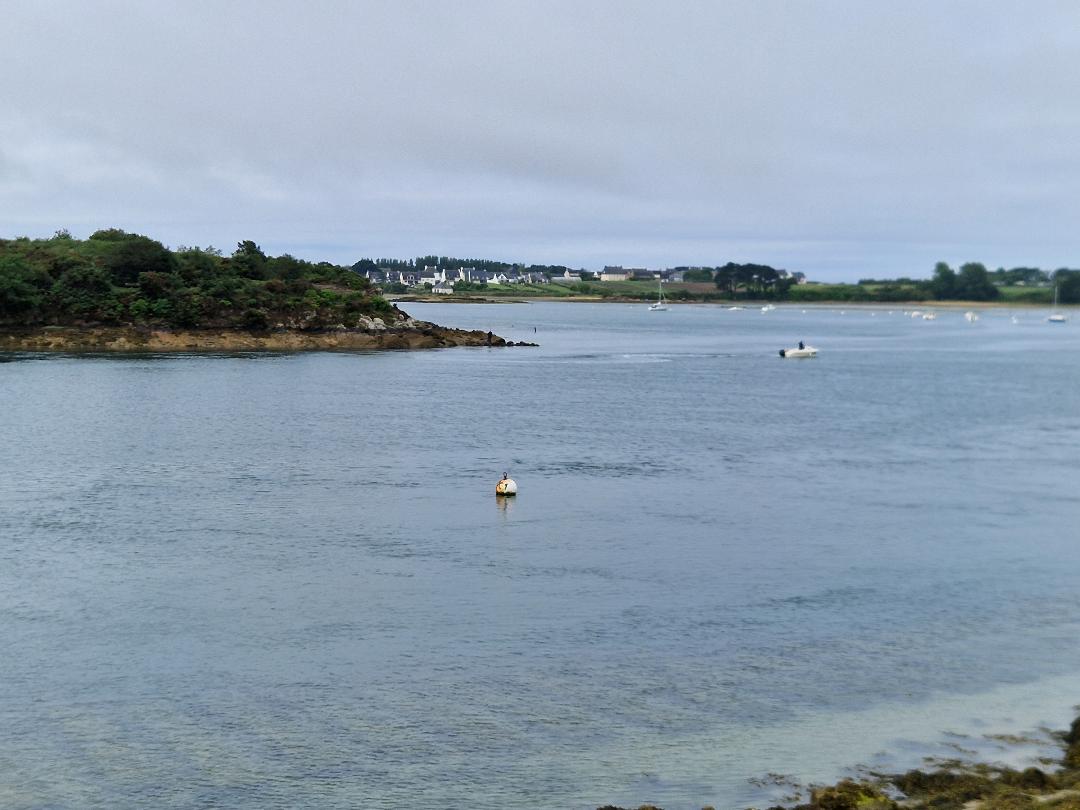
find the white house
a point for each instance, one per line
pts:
(431, 275)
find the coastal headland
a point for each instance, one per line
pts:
(117, 291)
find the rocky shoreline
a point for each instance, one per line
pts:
(955, 784)
(405, 334)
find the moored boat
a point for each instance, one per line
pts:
(799, 352)
(1055, 316)
(661, 303)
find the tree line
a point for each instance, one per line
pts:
(115, 277)
(451, 263)
(973, 282)
(970, 282)
(119, 278)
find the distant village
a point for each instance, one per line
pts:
(444, 279)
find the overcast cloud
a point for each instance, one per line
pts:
(844, 139)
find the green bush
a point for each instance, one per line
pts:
(85, 292)
(255, 319)
(22, 288)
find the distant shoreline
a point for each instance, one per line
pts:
(596, 299)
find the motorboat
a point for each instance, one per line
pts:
(799, 351)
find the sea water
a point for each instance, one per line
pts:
(284, 580)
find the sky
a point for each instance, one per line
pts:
(843, 139)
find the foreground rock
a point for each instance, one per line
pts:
(409, 334)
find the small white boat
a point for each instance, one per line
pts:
(929, 316)
(768, 308)
(1055, 316)
(971, 317)
(735, 309)
(661, 304)
(799, 352)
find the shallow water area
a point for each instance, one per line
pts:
(279, 580)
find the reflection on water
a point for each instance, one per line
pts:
(277, 583)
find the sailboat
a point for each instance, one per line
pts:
(1055, 316)
(661, 303)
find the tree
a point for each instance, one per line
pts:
(1068, 284)
(196, 265)
(156, 285)
(83, 291)
(943, 284)
(112, 235)
(249, 261)
(21, 288)
(973, 283)
(287, 267)
(1027, 276)
(139, 254)
(753, 277)
(725, 279)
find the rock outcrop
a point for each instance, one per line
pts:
(372, 334)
